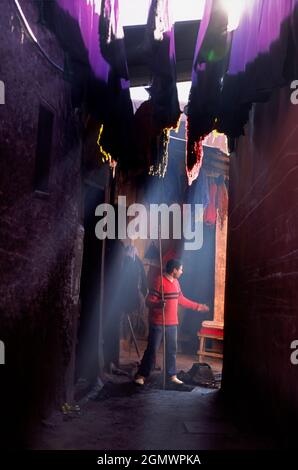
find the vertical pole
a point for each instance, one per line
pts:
(163, 307)
(101, 290)
(100, 333)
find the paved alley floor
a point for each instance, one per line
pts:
(125, 416)
(150, 419)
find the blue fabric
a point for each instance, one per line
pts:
(154, 342)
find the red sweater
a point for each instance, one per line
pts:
(173, 296)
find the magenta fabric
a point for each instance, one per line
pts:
(88, 15)
(259, 27)
(243, 48)
(197, 65)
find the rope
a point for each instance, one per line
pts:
(162, 296)
(33, 38)
(163, 310)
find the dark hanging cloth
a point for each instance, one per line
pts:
(134, 283)
(147, 137)
(111, 39)
(152, 253)
(162, 110)
(92, 38)
(198, 193)
(210, 62)
(118, 135)
(113, 301)
(160, 50)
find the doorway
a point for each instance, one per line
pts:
(88, 353)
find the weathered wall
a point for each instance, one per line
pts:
(261, 317)
(37, 233)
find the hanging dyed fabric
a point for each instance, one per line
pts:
(210, 211)
(91, 34)
(222, 200)
(111, 39)
(261, 60)
(119, 125)
(160, 50)
(198, 193)
(210, 62)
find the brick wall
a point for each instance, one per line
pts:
(38, 231)
(261, 318)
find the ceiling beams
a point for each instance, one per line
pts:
(185, 40)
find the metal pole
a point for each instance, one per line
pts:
(101, 287)
(163, 309)
(100, 335)
(133, 337)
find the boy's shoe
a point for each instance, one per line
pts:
(174, 379)
(139, 380)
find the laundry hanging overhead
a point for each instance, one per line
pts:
(261, 59)
(119, 122)
(86, 14)
(162, 110)
(209, 65)
(91, 34)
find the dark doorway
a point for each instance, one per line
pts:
(198, 283)
(88, 354)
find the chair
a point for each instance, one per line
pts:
(210, 330)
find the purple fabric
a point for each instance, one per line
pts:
(258, 53)
(259, 27)
(201, 35)
(94, 37)
(112, 40)
(161, 58)
(87, 14)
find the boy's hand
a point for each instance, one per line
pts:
(203, 308)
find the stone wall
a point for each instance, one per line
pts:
(261, 318)
(38, 231)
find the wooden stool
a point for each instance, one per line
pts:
(209, 333)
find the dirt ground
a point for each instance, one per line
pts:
(124, 416)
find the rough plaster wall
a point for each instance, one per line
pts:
(37, 234)
(261, 317)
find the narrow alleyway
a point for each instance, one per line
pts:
(148, 189)
(126, 416)
(153, 419)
